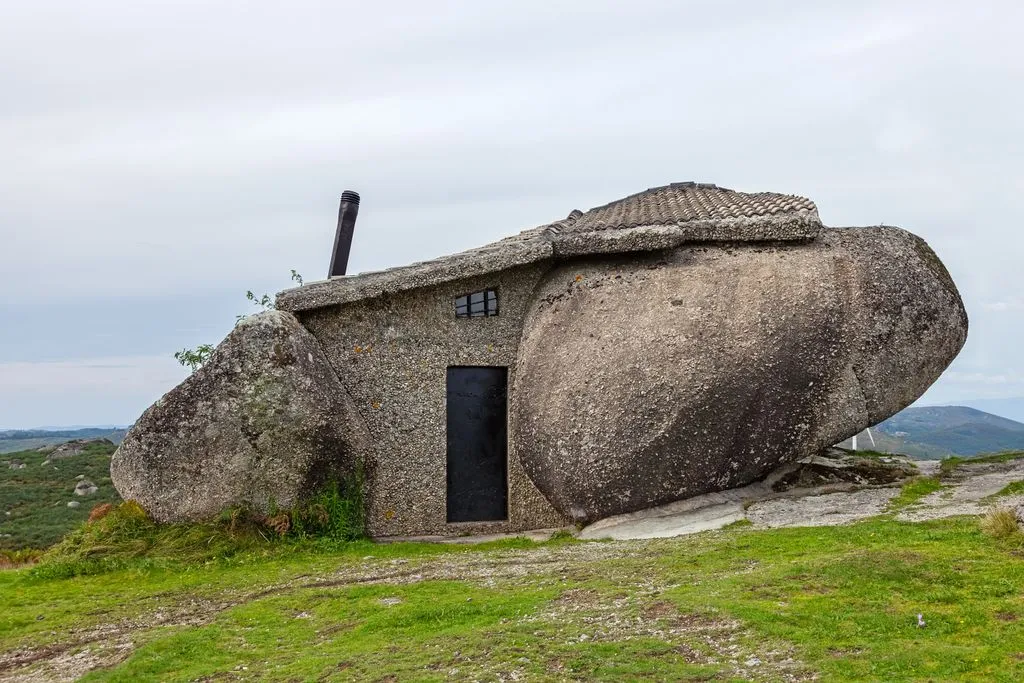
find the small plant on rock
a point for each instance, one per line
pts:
(195, 358)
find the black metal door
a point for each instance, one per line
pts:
(477, 444)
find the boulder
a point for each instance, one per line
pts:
(85, 488)
(264, 422)
(68, 449)
(645, 380)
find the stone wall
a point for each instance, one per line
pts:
(392, 354)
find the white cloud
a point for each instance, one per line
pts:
(171, 150)
(86, 391)
(1010, 304)
(125, 373)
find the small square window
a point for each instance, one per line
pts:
(477, 304)
(462, 307)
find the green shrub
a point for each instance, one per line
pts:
(127, 536)
(10, 559)
(337, 512)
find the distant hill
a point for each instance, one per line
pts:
(943, 431)
(1012, 408)
(13, 440)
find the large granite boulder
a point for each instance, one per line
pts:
(264, 420)
(648, 379)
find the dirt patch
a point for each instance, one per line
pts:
(82, 650)
(970, 487)
(581, 615)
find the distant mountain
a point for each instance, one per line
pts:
(943, 431)
(1012, 408)
(13, 440)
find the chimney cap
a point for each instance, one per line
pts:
(350, 196)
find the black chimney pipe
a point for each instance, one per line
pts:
(347, 212)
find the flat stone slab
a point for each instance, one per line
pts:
(829, 509)
(968, 491)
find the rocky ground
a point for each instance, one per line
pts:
(825, 491)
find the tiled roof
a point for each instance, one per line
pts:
(685, 202)
(658, 218)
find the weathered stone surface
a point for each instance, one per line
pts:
(74, 447)
(838, 467)
(644, 380)
(85, 488)
(265, 419)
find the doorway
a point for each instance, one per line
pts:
(477, 422)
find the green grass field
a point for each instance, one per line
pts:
(33, 500)
(124, 599)
(839, 603)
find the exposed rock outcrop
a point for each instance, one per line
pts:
(264, 420)
(85, 488)
(645, 380)
(69, 449)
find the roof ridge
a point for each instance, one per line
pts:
(661, 217)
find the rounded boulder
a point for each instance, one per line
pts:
(646, 380)
(264, 422)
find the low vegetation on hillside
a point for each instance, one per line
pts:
(14, 440)
(35, 490)
(943, 431)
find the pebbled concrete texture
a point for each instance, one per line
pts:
(392, 355)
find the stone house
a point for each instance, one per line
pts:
(430, 351)
(678, 341)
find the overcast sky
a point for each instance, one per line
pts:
(157, 159)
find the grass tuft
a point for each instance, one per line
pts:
(118, 537)
(337, 512)
(913, 491)
(739, 524)
(1000, 523)
(127, 534)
